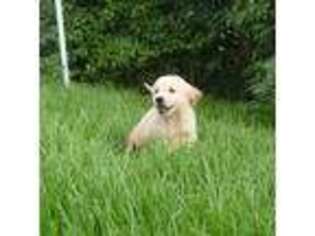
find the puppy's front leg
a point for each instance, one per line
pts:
(182, 138)
(136, 138)
(145, 130)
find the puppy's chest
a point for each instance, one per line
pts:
(178, 127)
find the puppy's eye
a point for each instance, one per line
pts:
(156, 90)
(171, 90)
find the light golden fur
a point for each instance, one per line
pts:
(173, 119)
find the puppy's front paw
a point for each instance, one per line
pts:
(131, 147)
(131, 144)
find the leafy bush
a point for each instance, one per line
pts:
(48, 29)
(50, 68)
(262, 86)
(212, 43)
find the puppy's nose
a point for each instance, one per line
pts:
(159, 100)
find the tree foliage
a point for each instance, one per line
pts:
(217, 44)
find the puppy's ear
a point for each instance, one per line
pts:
(193, 94)
(148, 87)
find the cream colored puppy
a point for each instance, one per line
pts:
(172, 117)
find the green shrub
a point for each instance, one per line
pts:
(48, 29)
(262, 85)
(211, 43)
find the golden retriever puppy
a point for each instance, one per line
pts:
(172, 117)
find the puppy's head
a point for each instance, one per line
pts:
(170, 92)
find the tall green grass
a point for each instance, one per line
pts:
(224, 185)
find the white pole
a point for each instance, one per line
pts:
(62, 43)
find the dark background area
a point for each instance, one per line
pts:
(225, 47)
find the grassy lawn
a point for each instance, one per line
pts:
(224, 185)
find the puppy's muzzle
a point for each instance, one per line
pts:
(161, 106)
(159, 101)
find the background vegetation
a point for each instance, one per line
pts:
(226, 47)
